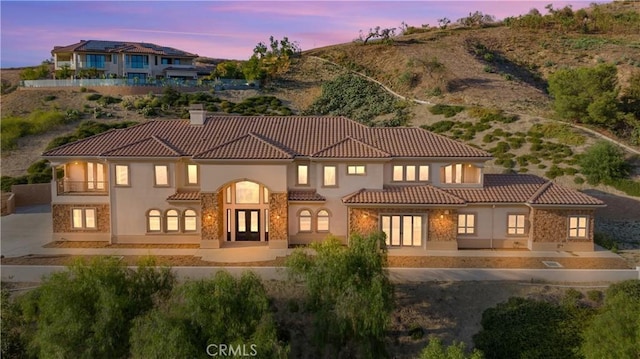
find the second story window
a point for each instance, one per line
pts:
(137, 61)
(461, 173)
(122, 175)
(192, 174)
(161, 175)
(303, 175)
(95, 61)
(329, 174)
(356, 170)
(410, 173)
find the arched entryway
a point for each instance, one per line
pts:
(246, 211)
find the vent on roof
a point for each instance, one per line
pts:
(552, 264)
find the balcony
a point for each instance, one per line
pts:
(81, 188)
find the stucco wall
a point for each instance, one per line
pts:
(214, 176)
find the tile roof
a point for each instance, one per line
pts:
(185, 196)
(498, 188)
(424, 194)
(148, 147)
(554, 194)
(350, 147)
(121, 47)
(501, 188)
(305, 196)
(249, 146)
(293, 135)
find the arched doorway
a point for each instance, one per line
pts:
(246, 211)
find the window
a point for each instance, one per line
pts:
(402, 230)
(461, 173)
(247, 192)
(172, 221)
(190, 220)
(95, 176)
(95, 61)
(161, 175)
(578, 226)
(265, 194)
(83, 218)
(323, 221)
(137, 61)
(356, 170)
(410, 173)
(398, 173)
(304, 219)
(330, 176)
(192, 174)
(154, 221)
(303, 174)
(516, 224)
(424, 173)
(466, 223)
(122, 175)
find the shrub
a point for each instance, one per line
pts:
(507, 330)
(440, 126)
(436, 350)
(446, 110)
(93, 97)
(603, 162)
(348, 292)
(37, 122)
(625, 185)
(554, 172)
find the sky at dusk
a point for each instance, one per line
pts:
(221, 29)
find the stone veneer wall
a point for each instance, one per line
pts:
(61, 216)
(366, 220)
(278, 210)
(211, 219)
(552, 225)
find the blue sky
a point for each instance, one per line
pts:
(220, 29)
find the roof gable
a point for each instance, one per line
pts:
(350, 148)
(148, 147)
(249, 146)
(554, 194)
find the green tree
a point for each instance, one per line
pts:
(269, 61)
(614, 333)
(436, 350)
(587, 95)
(65, 72)
(12, 343)
(86, 312)
(348, 294)
(603, 162)
(36, 73)
(218, 310)
(527, 328)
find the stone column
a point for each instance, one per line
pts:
(211, 220)
(441, 230)
(278, 220)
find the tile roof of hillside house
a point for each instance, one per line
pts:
(277, 136)
(184, 196)
(148, 147)
(121, 47)
(403, 195)
(498, 188)
(305, 196)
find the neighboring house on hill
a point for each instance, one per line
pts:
(132, 60)
(294, 180)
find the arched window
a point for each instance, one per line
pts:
(323, 221)
(304, 219)
(172, 221)
(190, 220)
(154, 221)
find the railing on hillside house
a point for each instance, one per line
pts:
(218, 84)
(67, 187)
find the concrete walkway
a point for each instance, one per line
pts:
(25, 233)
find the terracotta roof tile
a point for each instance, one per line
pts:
(305, 196)
(501, 188)
(295, 135)
(148, 147)
(410, 195)
(554, 194)
(350, 148)
(250, 146)
(185, 196)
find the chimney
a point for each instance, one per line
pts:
(197, 114)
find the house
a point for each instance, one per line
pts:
(123, 59)
(217, 180)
